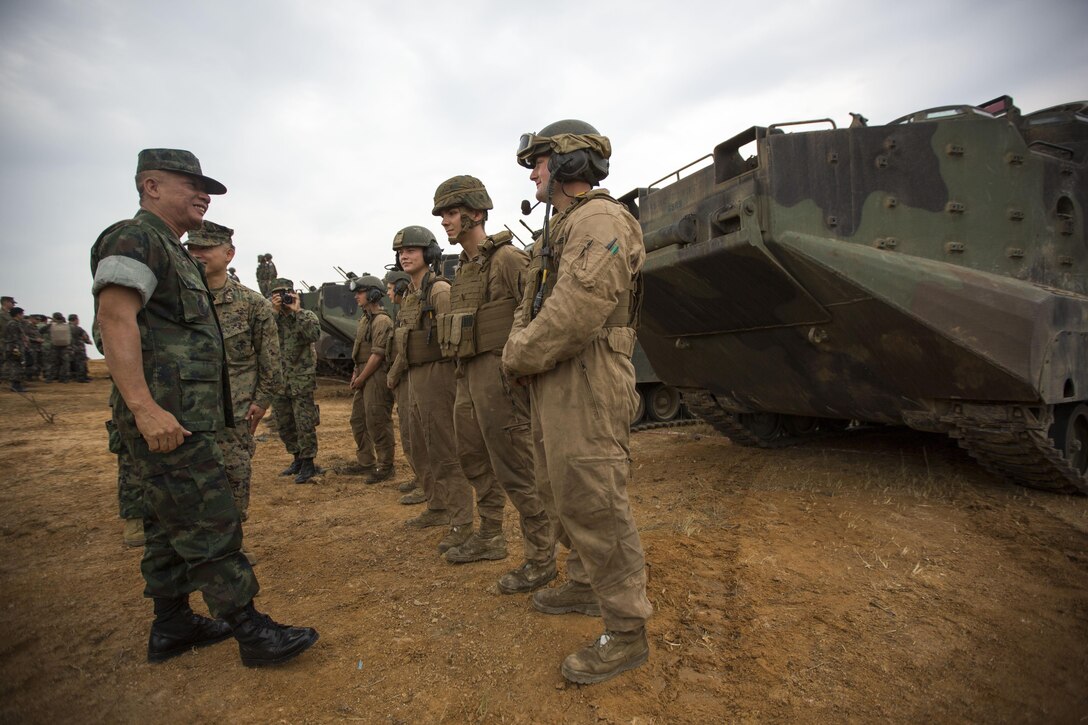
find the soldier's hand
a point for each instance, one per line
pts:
(253, 417)
(160, 429)
(296, 303)
(277, 301)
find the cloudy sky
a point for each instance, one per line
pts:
(331, 122)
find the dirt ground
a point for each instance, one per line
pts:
(872, 576)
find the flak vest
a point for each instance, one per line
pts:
(476, 324)
(363, 347)
(420, 326)
(60, 334)
(183, 355)
(544, 268)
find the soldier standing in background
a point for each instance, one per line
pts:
(77, 351)
(252, 346)
(164, 350)
(431, 387)
(372, 403)
(396, 286)
(294, 408)
(59, 359)
(6, 305)
(32, 326)
(572, 341)
(233, 274)
(15, 346)
(490, 417)
(263, 279)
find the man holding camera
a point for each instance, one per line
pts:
(295, 410)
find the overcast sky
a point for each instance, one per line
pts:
(332, 122)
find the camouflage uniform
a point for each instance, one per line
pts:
(34, 353)
(193, 532)
(372, 405)
(294, 408)
(15, 350)
(582, 393)
(5, 319)
(129, 493)
(58, 344)
(431, 391)
(77, 352)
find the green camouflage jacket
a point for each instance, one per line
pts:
(253, 346)
(298, 333)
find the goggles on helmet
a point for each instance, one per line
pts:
(530, 146)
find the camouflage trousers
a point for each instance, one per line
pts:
(432, 390)
(13, 368)
(191, 525)
(58, 361)
(130, 496)
(34, 362)
(238, 447)
(372, 422)
(581, 414)
(491, 422)
(78, 362)
(297, 418)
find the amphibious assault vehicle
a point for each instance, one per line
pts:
(932, 271)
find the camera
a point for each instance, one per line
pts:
(287, 298)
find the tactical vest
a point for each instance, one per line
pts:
(60, 334)
(544, 269)
(418, 331)
(476, 324)
(364, 347)
(183, 355)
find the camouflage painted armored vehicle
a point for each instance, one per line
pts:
(931, 272)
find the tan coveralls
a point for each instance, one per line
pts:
(372, 404)
(582, 392)
(491, 417)
(431, 390)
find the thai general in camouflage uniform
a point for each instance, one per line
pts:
(253, 347)
(295, 410)
(164, 349)
(490, 417)
(572, 342)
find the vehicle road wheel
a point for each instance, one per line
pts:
(766, 427)
(1071, 436)
(664, 402)
(800, 425)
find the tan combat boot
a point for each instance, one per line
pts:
(571, 597)
(456, 536)
(609, 655)
(353, 469)
(413, 497)
(487, 544)
(134, 532)
(527, 577)
(409, 486)
(429, 517)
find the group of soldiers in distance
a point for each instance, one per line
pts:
(513, 382)
(37, 347)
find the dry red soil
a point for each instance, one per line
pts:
(872, 576)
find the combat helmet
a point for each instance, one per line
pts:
(466, 191)
(578, 152)
(367, 281)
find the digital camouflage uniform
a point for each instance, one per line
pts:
(491, 417)
(372, 405)
(77, 352)
(191, 524)
(294, 408)
(431, 392)
(15, 351)
(582, 393)
(34, 351)
(5, 319)
(58, 344)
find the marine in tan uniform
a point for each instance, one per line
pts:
(571, 343)
(253, 348)
(396, 286)
(420, 365)
(491, 417)
(372, 404)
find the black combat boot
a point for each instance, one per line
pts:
(262, 641)
(177, 629)
(17, 387)
(380, 474)
(306, 470)
(294, 468)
